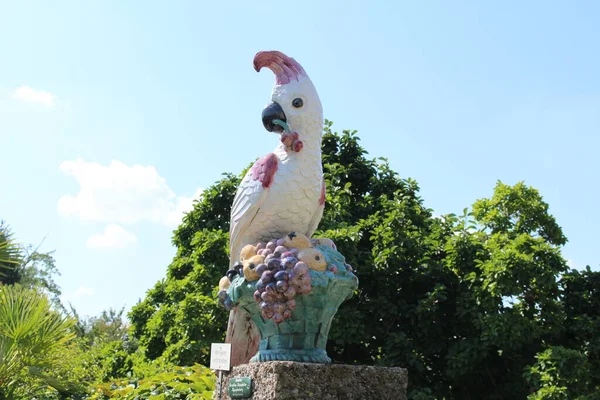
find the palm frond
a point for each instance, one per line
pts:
(11, 253)
(30, 332)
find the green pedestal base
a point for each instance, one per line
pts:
(300, 355)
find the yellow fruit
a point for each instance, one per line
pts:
(256, 259)
(296, 240)
(247, 252)
(313, 258)
(224, 283)
(249, 267)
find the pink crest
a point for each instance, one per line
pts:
(285, 68)
(322, 198)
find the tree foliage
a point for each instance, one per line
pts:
(10, 256)
(561, 373)
(180, 318)
(109, 326)
(190, 383)
(44, 352)
(47, 354)
(27, 266)
(469, 303)
(37, 271)
(31, 336)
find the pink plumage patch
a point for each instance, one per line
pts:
(322, 198)
(264, 170)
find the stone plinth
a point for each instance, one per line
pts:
(287, 380)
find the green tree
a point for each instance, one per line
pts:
(30, 336)
(37, 271)
(109, 326)
(10, 256)
(569, 366)
(180, 317)
(105, 339)
(27, 266)
(43, 352)
(465, 302)
(192, 383)
(561, 373)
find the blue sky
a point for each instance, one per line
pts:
(114, 115)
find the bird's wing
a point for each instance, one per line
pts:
(314, 222)
(248, 200)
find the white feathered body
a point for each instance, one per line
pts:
(291, 204)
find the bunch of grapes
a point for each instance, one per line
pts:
(282, 277)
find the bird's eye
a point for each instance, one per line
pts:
(297, 103)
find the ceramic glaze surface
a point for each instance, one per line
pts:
(280, 203)
(297, 333)
(291, 200)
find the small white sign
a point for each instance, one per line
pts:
(220, 356)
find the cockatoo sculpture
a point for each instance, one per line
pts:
(284, 191)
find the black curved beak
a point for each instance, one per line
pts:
(272, 112)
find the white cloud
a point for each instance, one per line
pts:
(28, 94)
(182, 205)
(113, 237)
(84, 291)
(118, 193)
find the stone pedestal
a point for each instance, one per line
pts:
(287, 380)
